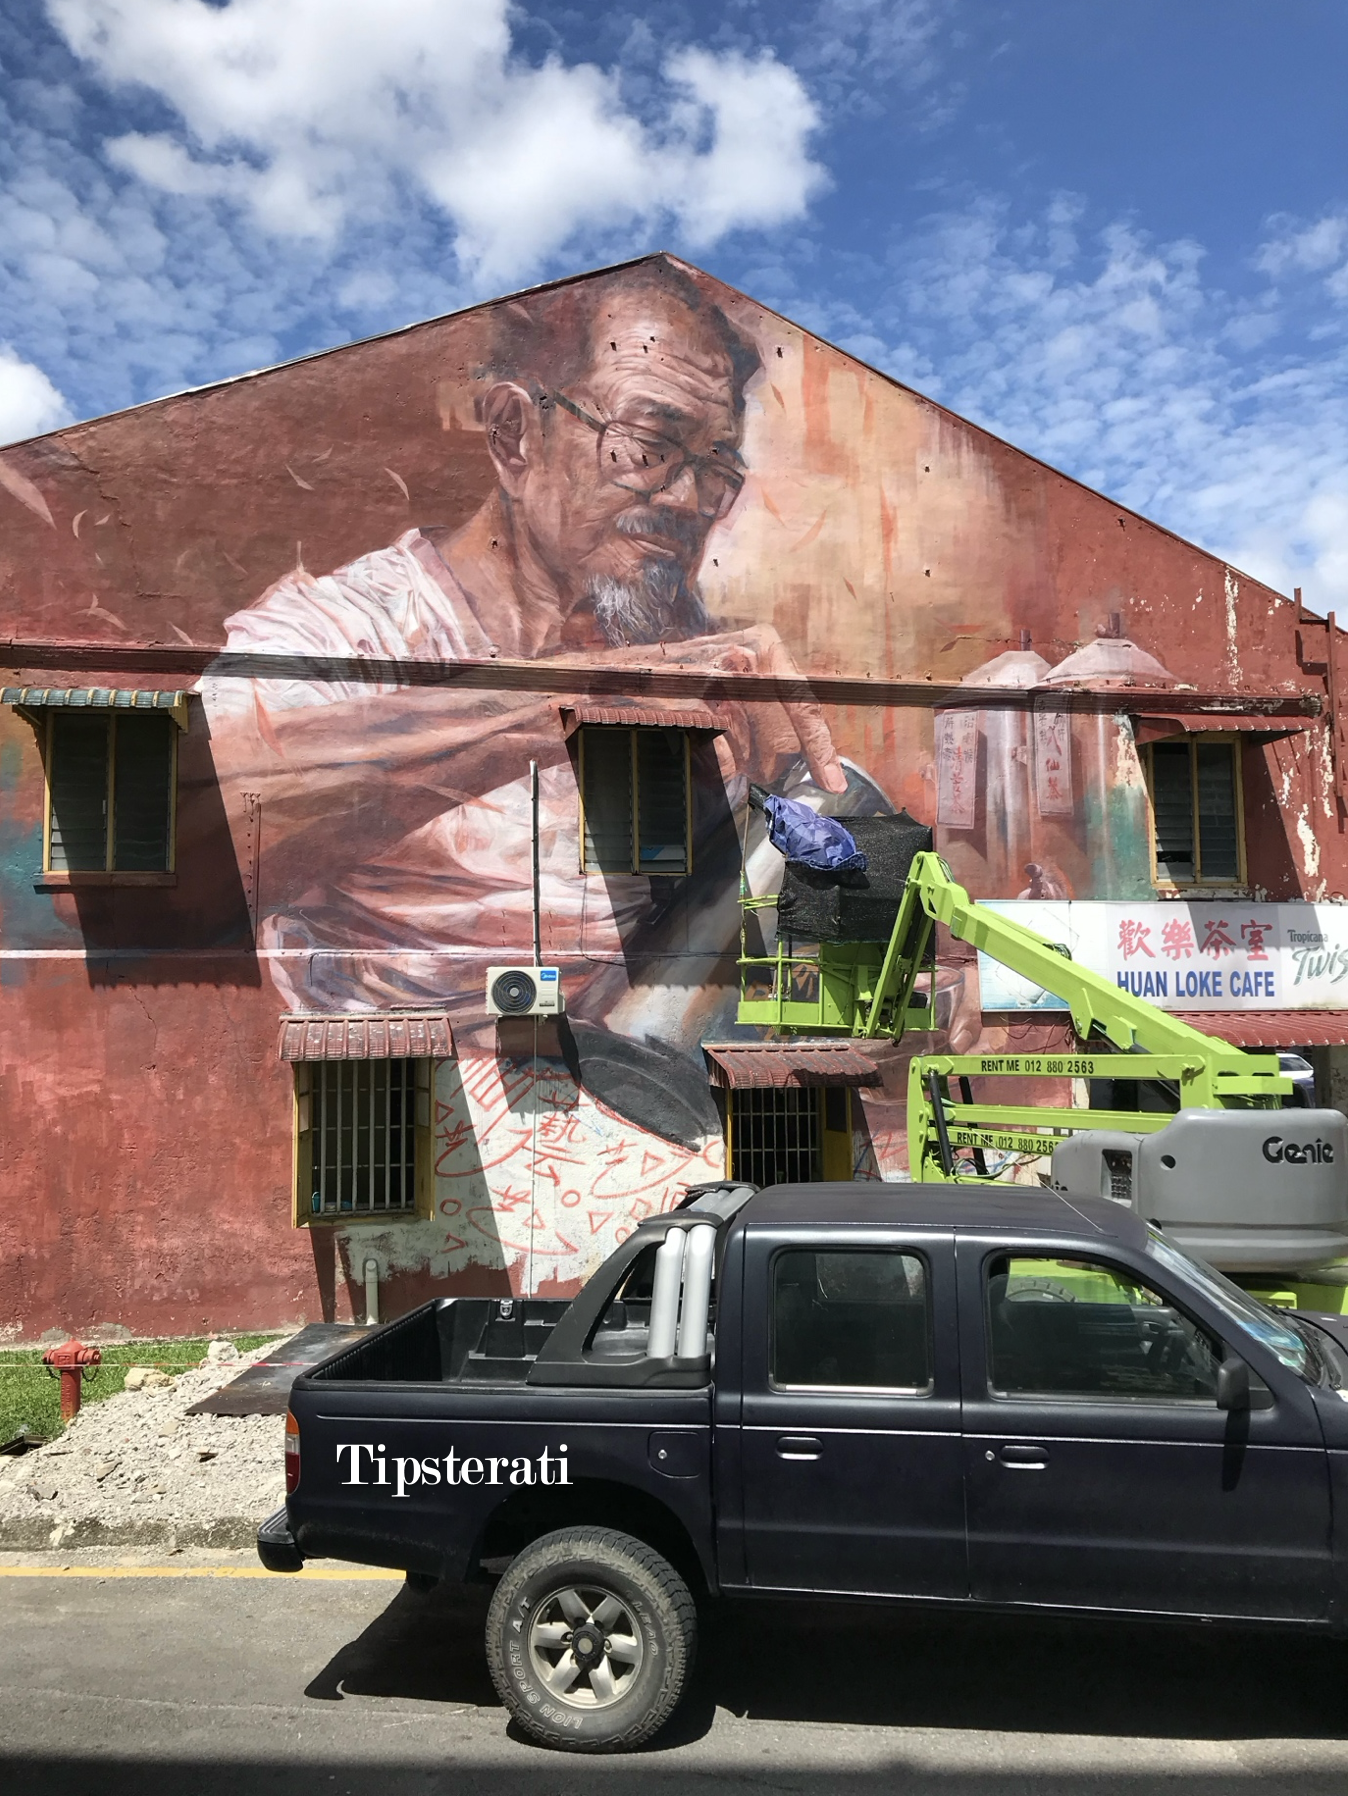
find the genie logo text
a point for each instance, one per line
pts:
(1291, 1153)
(367, 1465)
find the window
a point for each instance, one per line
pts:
(110, 792)
(789, 1134)
(363, 1138)
(1075, 1328)
(775, 1135)
(851, 1320)
(635, 806)
(1262, 1321)
(1196, 811)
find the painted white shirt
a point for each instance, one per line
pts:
(384, 930)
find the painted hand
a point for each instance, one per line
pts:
(780, 727)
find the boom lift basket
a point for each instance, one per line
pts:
(877, 990)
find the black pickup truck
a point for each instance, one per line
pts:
(990, 1397)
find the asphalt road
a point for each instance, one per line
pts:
(194, 1686)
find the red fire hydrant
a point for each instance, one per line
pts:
(75, 1363)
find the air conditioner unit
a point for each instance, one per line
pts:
(524, 991)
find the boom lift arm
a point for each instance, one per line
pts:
(867, 989)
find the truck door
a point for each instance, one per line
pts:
(851, 1458)
(1100, 1472)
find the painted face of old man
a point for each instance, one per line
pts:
(615, 476)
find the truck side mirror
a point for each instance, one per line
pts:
(1233, 1383)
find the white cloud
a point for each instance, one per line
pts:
(755, 170)
(324, 114)
(161, 162)
(852, 51)
(1291, 244)
(29, 403)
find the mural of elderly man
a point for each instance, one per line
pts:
(613, 412)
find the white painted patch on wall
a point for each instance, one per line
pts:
(1325, 784)
(1232, 642)
(1310, 847)
(1127, 763)
(1286, 771)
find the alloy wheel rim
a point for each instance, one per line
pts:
(585, 1646)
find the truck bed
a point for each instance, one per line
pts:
(480, 1340)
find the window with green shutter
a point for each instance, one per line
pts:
(1197, 819)
(110, 792)
(635, 809)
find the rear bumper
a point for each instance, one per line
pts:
(276, 1544)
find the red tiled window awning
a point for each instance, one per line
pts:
(738, 1066)
(655, 717)
(97, 698)
(1154, 726)
(379, 1035)
(1273, 1028)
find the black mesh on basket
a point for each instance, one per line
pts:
(854, 907)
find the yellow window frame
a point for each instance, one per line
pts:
(835, 1144)
(110, 824)
(1193, 740)
(302, 1158)
(632, 731)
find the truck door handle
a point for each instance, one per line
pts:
(799, 1446)
(1021, 1458)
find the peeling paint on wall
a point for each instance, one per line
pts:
(1231, 588)
(1310, 850)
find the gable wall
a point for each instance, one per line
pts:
(888, 545)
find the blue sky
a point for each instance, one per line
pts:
(1117, 235)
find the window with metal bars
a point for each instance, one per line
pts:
(363, 1130)
(110, 792)
(635, 807)
(1196, 811)
(775, 1135)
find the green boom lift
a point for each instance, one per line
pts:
(869, 990)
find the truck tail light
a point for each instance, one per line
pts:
(292, 1454)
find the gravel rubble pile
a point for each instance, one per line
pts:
(137, 1470)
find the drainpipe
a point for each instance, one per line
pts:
(371, 1290)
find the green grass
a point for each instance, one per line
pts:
(31, 1397)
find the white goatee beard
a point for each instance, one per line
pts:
(658, 604)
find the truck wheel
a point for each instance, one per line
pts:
(590, 1640)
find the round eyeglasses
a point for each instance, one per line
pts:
(646, 462)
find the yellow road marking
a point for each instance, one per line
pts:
(357, 1572)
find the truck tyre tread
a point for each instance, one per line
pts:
(668, 1619)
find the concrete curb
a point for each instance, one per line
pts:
(37, 1534)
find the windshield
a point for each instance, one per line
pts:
(1266, 1325)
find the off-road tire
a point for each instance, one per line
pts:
(651, 1593)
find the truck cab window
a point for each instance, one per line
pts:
(851, 1320)
(1078, 1328)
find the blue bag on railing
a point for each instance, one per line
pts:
(808, 839)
